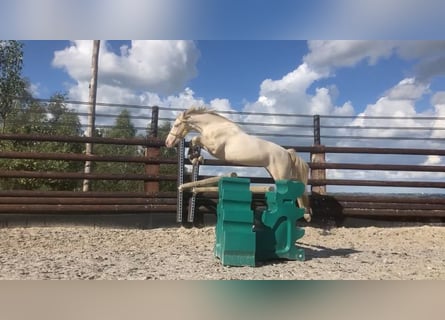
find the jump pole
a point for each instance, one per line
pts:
(194, 154)
(253, 189)
(204, 182)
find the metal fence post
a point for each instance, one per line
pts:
(152, 169)
(180, 181)
(317, 138)
(318, 174)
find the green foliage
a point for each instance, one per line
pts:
(33, 117)
(167, 153)
(11, 83)
(123, 128)
(62, 120)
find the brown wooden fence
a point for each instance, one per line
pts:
(324, 202)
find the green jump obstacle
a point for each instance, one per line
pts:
(242, 239)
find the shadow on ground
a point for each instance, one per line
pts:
(321, 252)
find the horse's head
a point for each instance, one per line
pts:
(178, 131)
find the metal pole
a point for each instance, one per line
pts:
(317, 138)
(318, 174)
(153, 153)
(154, 122)
(180, 193)
(91, 110)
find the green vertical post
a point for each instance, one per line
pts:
(277, 234)
(235, 239)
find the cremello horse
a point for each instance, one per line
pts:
(225, 140)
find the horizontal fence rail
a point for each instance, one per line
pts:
(148, 142)
(295, 130)
(83, 157)
(81, 176)
(385, 167)
(378, 183)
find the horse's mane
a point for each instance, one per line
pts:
(202, 110)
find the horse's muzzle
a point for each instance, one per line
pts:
(170, 141)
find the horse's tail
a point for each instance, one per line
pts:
(300, 169)
(300, 172)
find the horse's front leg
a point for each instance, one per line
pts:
(196, 142)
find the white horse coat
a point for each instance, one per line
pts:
(225, 140)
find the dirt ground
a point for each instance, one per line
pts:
(88, 252)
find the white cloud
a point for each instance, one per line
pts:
(157, 66)
(407, 89)
(144, 73)
(34, 89)
(285, 95)
(321, 103)
(398, 101)
(295, 81)
(122, 97)
(290, 95)
(327, 55)
(438, 100)
(433, 160)
(221, 105)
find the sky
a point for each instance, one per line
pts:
(348, 78)
(351, 74)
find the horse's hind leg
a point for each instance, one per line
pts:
(303, 202)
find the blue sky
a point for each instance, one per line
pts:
(37, 66)
(235, 70)
(226, 69)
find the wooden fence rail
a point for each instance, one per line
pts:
(324, 203)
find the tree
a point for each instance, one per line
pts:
(11, 83)
(122, 128)
(167, 153)
(33, 117)
(62, 120)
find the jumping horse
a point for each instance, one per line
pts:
(225, 140)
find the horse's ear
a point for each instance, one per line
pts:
(186, 114)
(183, 115)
